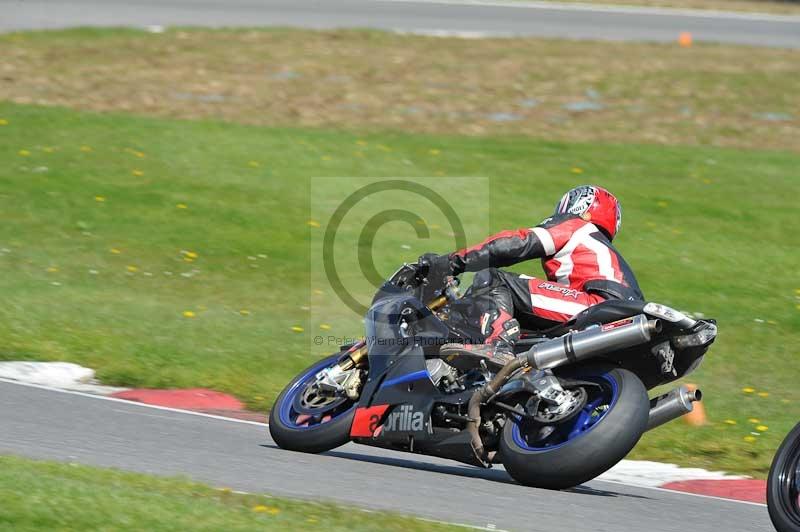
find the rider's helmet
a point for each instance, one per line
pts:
(595, 204)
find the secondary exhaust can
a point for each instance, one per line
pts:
(672, 405)
(592, 342)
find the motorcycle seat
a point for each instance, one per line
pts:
(605, 312)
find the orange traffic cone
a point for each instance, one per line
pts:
(685, 39)
(697, 417)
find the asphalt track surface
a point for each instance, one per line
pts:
(466, 17)
(50, 424)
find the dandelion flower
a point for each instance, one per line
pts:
(52, 269)
(730, 422)
(325, 327)
(86, 149)
(244, 312)
(662, 204)
(137, 173)
(754, 420)
(313, 223)
(318, 292)
(762, 428)
(100, 199)
(3, 122)
(24, 153)
(188, 314)
(576, 170)
(297, 329)
(266, 509)
(182, 206)
(132, 269)
(191, 254)
(763, 394)
(749, 439)
(748, 389)
(434, 151)
(115, 251)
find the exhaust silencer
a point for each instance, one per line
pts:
(592, 342)
(672, 405)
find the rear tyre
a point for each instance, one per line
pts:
(300, 421)
(608, 427)
(783, 484)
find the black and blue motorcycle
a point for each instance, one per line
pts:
(570, 406)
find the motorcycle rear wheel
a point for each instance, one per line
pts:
(613, 420)
(296, 425)
(783, 484)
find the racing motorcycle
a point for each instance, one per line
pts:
(783, 484)
(570, 405)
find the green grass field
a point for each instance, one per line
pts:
(45, 496)
(176, 253)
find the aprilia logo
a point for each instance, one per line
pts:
(404, 419)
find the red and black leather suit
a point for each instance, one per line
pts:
(581, 265)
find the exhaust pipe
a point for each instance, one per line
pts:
(672, 405)
(591, 342)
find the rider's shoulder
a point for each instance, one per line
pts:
(559, 219)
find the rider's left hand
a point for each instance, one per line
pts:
(433, 265)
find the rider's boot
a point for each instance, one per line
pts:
(501, 332)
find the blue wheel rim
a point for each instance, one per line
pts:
(287, 413)
(588, 418)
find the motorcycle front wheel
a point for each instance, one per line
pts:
(304, 420)
(570, 453)
(783, 484)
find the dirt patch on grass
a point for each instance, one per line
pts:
(706, 94)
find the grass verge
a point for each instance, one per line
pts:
(367, 80)
(54, 496)
(166, 253)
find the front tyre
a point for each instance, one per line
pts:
(606, 429)
(304, 420)
(783, 484)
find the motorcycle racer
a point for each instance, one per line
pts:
(582, 269)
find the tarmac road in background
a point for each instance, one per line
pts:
(426, 16)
